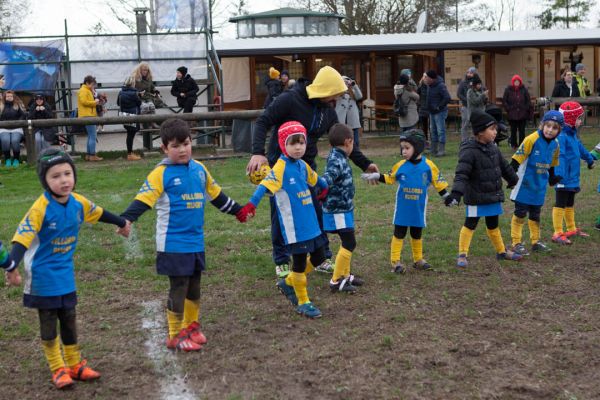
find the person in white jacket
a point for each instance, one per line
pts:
(347, 109)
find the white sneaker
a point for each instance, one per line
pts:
(325, 267)
(282, 270)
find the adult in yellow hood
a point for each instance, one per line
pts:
(311, 105)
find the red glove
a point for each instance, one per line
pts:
(322, 194)
(248, 211)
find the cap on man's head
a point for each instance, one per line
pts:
(431, 74)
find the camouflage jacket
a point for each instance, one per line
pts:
(338, 175)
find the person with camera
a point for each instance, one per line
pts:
(408, 98)
(347, 109)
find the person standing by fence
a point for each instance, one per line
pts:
(517, 103)
(129, 104)
(86, 107)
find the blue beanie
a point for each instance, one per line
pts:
(555, 116)
(579, 67)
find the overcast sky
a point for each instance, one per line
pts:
(46, 16)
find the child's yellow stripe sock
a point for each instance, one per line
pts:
(496, 238)
(416, 245)
(299, 282)
(72, 354)
(464, 240)
(52, 353)
(342, 264)
(534, 231)
(174, 321)
(558, 214)
(191, 312)
(309, 267)
(396, 250)
(570, 218)
(516, 229)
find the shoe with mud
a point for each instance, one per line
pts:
(520, 249)
(62, 379)
(355, 280)
(325, 267)
(576, 232)
(509, 255)
(287, 291)
(195, 334)
(398, 268)
(82, 372)
(461, 261)
(342, 285)
(182, 342)
(422, 265)
(309, 311)
(540, 247)
(560, 238)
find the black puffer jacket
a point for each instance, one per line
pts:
(186, 85)
(479, 173)
(49, 133)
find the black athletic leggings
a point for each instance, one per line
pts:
(68, 325)
(424, 123)
(400, 232)
(131, 131)
(348, 239)
(316, 258)
(564, 199)
(490, 222)
(522, 209)
(183, 287)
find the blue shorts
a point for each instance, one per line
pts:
(307, 246)
(485, 210)
(179, 264)
(68, 300)
(333, 222)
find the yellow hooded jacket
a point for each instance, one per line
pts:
(86, 106)
(328, 82)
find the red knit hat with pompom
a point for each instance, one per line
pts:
(288, 129)
(571, 110)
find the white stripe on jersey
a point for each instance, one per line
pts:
(285, 210)
(471, 211)
(340, 221)
(28, 262)
(520, 173)
(163, 211)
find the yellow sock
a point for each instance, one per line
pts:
(557, 219)
(299, 282)
(570, 218)
(72, 354)
(464, 240)
(516, 229)
(534, 231)
(52, 353)
(174, 321)
(342, 264)
(416, 245)
(309, 267)
(396, 250)
(191, 312)
(496, 238)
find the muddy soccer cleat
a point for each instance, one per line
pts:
(560, 238)
(62, 379)
(282, 270)
(461, 261)
(195, 334)
(540, 247)
(342, 285)
(398, 268)
(355, 280)
(422, 265)
(519, 249)
(287, 291)
(309, 311)
(509, 255)
(326, 267)
(82, 372)
(576, 232)
(182, 342)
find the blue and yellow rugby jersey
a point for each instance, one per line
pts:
(49, 231)
(289, 181)
(535, 157)
(411, 197)
(179, 193)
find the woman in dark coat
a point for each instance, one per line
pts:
(517, 103)
(185, 89)
(129, 103)
(566, 87)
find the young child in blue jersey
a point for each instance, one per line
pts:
(179, 188)
(289, 182)
(534, 161)
(478, 178)
(46, 240)
(338, 206)
(414, 174)
(571, 152)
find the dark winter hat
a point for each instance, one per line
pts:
(475, 79)
(579, 67)
(555, 116)
(404, 79)
(431, 74)
(183, 70)
(480, 121)
(416, 138)
(38, 96)
(285, 72)
(50, 157)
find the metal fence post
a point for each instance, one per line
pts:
(30, 144)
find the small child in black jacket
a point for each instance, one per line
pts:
(478, 178)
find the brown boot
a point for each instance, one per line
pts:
(94, 157)
(133, 157)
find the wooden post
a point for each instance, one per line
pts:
(490, 73)
(252, 77)
(372, 74)
(596, 65)
(542, 72)
(557, 65)
(310, 66)
(30, 144)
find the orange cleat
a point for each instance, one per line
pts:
(182, 342)
(195, 334)
(62, 378)
(82, 372)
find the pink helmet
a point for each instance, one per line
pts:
(287, 130)
(571, 110)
